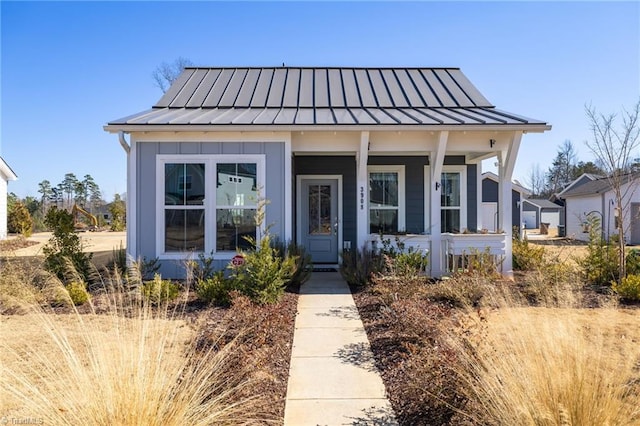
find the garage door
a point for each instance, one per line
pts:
(529, 219)
(490, 216)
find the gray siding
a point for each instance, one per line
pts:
(146, 189)
(334, 165)
(490, 195)
(414, 187)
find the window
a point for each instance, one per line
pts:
(386, 199)
(207, 203)
(453, 199)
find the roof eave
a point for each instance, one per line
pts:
(6, 171)
(129, 128)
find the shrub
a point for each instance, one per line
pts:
(118, 259)
(216, 289)
(402, 261)
(633, 262)
(64, 244)
(629, 288)
(264, 274)
(462, 290)
(359, 265)
(158, 290)
(203, 268)
(19, 220)
(78, 292)
(303, 264)
(600, 266)
(526, 257)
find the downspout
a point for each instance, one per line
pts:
(123, 142)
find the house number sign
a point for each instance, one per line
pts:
(362, 198)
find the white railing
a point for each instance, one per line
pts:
(457, 247)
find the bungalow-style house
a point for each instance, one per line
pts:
(6, 174)
(539, 213)
(596, 199)
(341, 154)
(490, 192)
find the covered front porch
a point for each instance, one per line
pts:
(423, 188)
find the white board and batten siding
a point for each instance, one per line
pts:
(576, 208)
(3, 208)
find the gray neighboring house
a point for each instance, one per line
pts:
(342, 155)
(536, 211)
(490, 191)
(6, 174)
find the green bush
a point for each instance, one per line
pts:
(78, 292)
(19, 220)
(629, 288)
(203, 268)
(303, 264)
(360, 265)
(64, 246)
(158, 290)
(633, 262)
(216, 289)
(526, 257)
(264, 274)
(601, 264)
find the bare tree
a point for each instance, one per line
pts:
(560, 174)
(535, 180)
(166, 73)
(613, 146)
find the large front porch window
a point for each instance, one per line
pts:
(206, 203)
(386, 199)
(453, 199)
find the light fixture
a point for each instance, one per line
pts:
(492, 142)
(437, 185)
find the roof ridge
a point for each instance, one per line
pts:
(324, 67)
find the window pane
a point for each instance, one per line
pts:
(383, 189)
(320, 209)
(183, 184)
(184, 230)
(237, 184)
(450, 220)
(384, 221)
(232, 225)
(450, 190)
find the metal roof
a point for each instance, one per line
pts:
(542, 203)
(291, 96)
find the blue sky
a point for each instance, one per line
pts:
(69, 67)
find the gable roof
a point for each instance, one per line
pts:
(542, 203)
(580, 180)
(298, 96)
(515, 184)
(6, 171)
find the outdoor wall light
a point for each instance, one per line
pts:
(437, 185)
(492, 142)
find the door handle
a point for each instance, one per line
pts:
(335, 227)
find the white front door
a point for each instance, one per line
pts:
(319, 222)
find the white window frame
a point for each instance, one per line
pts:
(209, 203)
(399, 169)
(463, 193)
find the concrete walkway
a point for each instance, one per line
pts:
(332, 377)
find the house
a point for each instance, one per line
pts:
(6, 174)
(539, 211)
(490, 191)
(596, 199)
(341, 154)
(558, 198)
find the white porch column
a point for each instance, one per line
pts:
(436, 160)
(288, 195)
(362, 191)
(479, 224)
(507, 160)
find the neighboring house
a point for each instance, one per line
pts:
(537, 211)
(558, 198)
(341, 154)
(490, 191)
(597, 199)
(6, 174)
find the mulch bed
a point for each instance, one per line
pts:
(14, 244)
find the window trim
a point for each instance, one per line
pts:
(400, 169)
(209, 204)
(462, 169)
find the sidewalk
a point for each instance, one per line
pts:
(332, 376)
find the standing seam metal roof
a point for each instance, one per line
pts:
(290, 95)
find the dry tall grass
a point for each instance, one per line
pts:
(552, 366)
(130, 364)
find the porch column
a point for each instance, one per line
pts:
(288, 194)
(362, 191)
(436, 160)
(507, 162)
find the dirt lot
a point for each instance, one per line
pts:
(101, 244)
